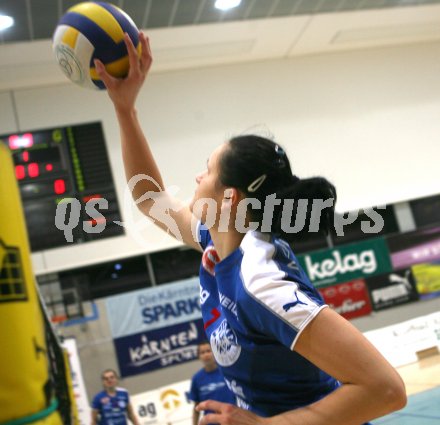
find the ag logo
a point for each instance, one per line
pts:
(12, 284)
(224, 345)
(170, 399)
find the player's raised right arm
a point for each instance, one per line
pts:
(137, 156)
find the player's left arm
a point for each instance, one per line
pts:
(94, 416)
(196, 415)
(131, 415)
(370, 388)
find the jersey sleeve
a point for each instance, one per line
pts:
(278, 301)
(278, 308)
(96, 403)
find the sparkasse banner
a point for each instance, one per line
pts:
(346, 262)
(156, 327)
(154, 308)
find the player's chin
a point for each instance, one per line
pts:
(195, 209)
(191, 205)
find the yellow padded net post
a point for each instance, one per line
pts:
(26, 390)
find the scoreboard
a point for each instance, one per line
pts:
(54, 165)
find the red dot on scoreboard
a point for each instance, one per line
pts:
(59, 186)
(20, 172)
(33, 169)
(49, 167)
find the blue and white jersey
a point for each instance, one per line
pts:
(255, 304)
(210, 386)
(112, 408)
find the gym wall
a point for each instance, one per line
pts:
(368, 120)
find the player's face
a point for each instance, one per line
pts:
(109, 380)
(205, 355)
(209, 187)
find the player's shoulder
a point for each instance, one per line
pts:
(121, 391)
(258, 266)
(200, 374)
(99, 396)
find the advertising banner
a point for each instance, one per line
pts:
(349, 299)
(392, 289)
(420, 246)
(346, 262)
(427, 278)
(434, 324)
(79, 389)
(165, 405)
(153, 308)
(147, 407)
(156, 327)
(168, 346)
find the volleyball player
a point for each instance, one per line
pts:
(287, 357)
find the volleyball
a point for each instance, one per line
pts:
(93, 30)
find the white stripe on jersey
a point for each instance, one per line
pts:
(265, 282)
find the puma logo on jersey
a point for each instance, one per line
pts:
(292, 304)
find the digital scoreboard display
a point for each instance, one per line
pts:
(54, 165)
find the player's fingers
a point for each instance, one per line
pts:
(210, 418)
(210, 405)
(132, 53)
(105, 77)
(146, 55)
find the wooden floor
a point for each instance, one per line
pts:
(422, 380)
(421, 376)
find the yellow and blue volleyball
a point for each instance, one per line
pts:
(93, 30)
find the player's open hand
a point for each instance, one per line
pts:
(227, 414)
(123, 91)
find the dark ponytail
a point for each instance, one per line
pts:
(260, 168)
(311, 213)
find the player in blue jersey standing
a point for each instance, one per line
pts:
(112, 405)
(208, 383)
(287, 357)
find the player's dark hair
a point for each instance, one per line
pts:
(259, 167)
(203, 342)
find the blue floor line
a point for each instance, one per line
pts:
(413, 415)
(426, 401)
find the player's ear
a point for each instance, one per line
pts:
(231, 196)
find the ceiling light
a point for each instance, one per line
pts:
(5, 22)
(226, 4)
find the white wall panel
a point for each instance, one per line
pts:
(8, 121)
(368, 120)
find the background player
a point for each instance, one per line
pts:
(208, 383)
(112, 405)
